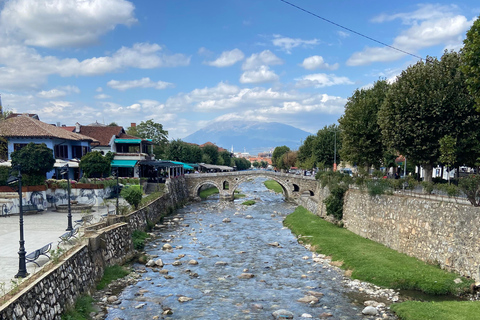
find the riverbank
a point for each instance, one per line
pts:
(366, 260)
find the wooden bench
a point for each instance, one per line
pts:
(34, 255)
(84, 220)
(68, 236)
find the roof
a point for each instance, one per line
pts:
(215, 167)
(31, 115)
(102, 134)
(27, 127)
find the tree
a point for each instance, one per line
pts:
(264, 164)
(471, 62)
(305, 154)
(242, 163)
(288, 159)
(256, 164)
(430, 100)
(277, 156)
(95, 165)
(226, 157)
(154, 131)
(212, 152)
(448, 152)
(132, 195)
(326, 142)
(360, 132)
(35, 160)
(112, 124)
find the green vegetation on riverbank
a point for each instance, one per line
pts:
(112, 273)
(370, 261)
(204, 194)
(238, 195)
(273, 185)
(249, 202)
(81, 311)
(446, 310)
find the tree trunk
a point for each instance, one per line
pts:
(428, 170)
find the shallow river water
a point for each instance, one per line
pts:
(224, 250)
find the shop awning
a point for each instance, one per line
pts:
(156, 164)
(128, 141)
(60, 163)
(185, 166)
(124, 163)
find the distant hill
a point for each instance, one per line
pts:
(253, 137)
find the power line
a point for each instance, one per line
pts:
(348, 29)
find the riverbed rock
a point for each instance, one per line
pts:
(167, 246)
(248, 217)
(221, 263)
(226, 220)
(150, 263)
(163, 271)
(315, 294)
(306, 315)
(308, 299)
(112, 299)
(177, 263)
(193, 262)
(159, 263)
(282, 314)
(141, 305)
(325, 315)
(184, 299)
(274, 244)
(246, 275)
(370, 311)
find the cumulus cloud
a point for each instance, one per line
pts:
(429, 26)
(25, 67)
(287, 44)
(320, 80)
(142, 83)
(59, 23)
(58, 92)
(264, 58)
(260, 75)
(227, 59)
(101, 96)
(317, 62)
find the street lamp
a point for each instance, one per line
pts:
(22, 265)
(115, 174)
(64, 170)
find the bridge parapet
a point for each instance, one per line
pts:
(228, 182)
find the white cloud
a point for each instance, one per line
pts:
(58, 23)
(227, 59)
(99, 89)
(430, 25)
(287, 44)
(317, 62)
(260, 75)
(320, 80)
(264, 58)
(101, 96)
(26, 68)
(142, 83)
(343, 34)
(58, 92)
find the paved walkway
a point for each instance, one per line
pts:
(39, 230)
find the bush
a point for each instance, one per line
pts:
(428, 186)
(470, 185)
(132, 195)
(4, 174)
(138, 239)
(334, 202)
(450, 189)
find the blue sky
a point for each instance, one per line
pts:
(190, 64)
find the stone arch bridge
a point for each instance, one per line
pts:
(227, 182)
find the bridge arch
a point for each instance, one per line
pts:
(284, 184)
(196, 189)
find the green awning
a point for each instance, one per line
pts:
(185, 166)
(128, 141)
(124, 163)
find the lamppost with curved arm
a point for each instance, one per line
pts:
(22, 265)
(65, 170)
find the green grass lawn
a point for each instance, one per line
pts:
(445, 310)
(371, 261)
(273, 185)
(249, 202)
(204, 194)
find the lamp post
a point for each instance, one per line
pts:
(64, 171)
(22, 265)
(115, 172)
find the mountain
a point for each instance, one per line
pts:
(252, 137)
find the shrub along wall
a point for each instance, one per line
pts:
(106, 243)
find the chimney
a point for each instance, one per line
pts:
(133, 124)
(77, 127)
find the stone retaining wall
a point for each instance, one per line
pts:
(104, 244)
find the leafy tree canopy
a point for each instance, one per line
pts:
(326, 142)
(242, 163)
(212, 152)
(150, 130)
(95, 165)
(278, 154)
(34, 159)
(471, 61)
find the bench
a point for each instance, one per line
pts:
(67, 236)
(34, 255)
(84, 220)
(30, 208)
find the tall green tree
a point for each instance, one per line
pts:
(430, 100)
(226, 157)
(35, 160)
(305, 154)
(151, 130)
(242, 163)
(95, 165)
(326, 143)
(360, 132)
(212, 152)
(277, 156)
(471, 61)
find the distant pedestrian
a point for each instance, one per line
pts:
(397, 176)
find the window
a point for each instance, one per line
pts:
(77, 152)
(61, 152)
(18, 146)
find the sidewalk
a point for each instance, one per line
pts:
(39, 230)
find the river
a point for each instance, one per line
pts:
(254, 244)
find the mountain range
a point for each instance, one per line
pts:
(249, 136)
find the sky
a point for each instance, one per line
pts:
(189, 64)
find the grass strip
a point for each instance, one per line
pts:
(445, 310)
(204, 194)
(273, 185)
(371, 261)
(81, 311)
(249, 202)
(110, 274)
(138, 239)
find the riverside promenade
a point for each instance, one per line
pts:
(39, 229)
